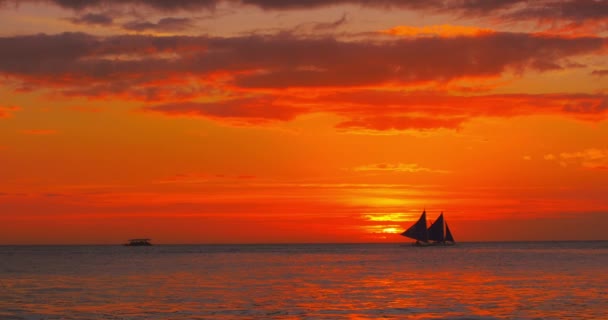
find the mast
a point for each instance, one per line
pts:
(436, 230)
(418, 231)
(448, 234)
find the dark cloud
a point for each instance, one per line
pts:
(81, 60)
(577, 8)
(270, 4)
(307, 4)
(312, 63)
(162, 5)
(587, 107)
(163, 25)
(573, 10)
(577, 11)
(173, 72)
(93, 19)
(330, 25)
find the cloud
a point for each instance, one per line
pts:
(283, 60)
(515, 10)
(93, 19)
(379, 110)
(386, 110)
(163, 5)
(77, 62)
(239, 111)
(573, 10)
(592, 158)
(252, 79)
(396, 167)
(404, 61)
(600, 73)
(163, 25)
(398, 122)
(315, 29)
(587, 107)
(6, 112)
(330, 25)
(444, 30)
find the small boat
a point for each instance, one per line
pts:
(437, 234)
(138, 242)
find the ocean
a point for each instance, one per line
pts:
(512, 280)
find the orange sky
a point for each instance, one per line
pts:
(248, 121)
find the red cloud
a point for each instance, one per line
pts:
(378, 110)
(382, 110)
(600, 73)
(6, 112)
(382, 123)
(246, 110)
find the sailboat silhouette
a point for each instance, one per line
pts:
(437, 234)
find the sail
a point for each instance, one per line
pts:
(418, 231)
(436, 230)
(448, 234)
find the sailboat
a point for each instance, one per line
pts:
(436, 234)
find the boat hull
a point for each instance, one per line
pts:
(433, 244)
(138, 243)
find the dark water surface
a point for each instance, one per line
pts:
(522, 280)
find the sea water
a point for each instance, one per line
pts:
(518, 280)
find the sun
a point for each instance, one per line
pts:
(390, 230)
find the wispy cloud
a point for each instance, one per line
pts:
(102, 19)
(593, 158)
(330, 25)
(444, 30)
(602, 72)
(163, 25)
(396, 167)
(7, 111)
(424, 110)
(247, 110)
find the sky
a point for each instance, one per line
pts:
(264, 121)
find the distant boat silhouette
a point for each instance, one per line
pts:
(434, 235)
(138, 242)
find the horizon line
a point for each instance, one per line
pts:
(288, 243)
